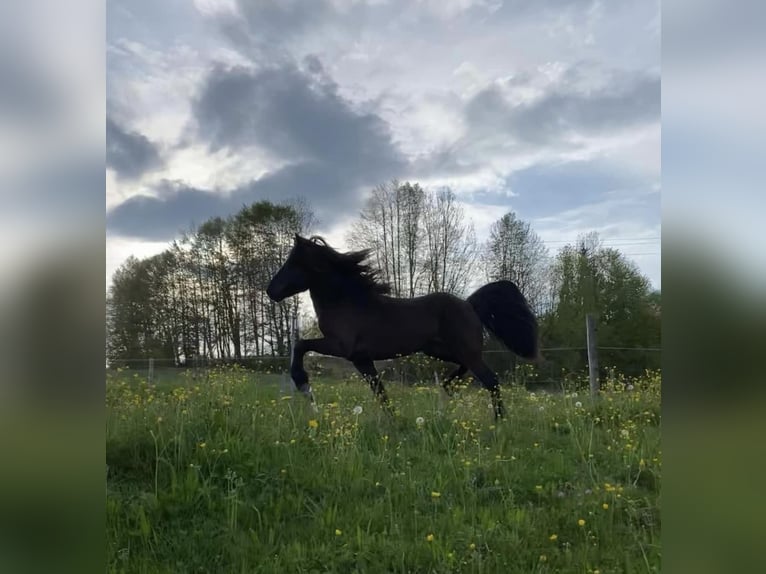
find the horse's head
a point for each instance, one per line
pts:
(293, 276)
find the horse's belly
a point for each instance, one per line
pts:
(390, 340)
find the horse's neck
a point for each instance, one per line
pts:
(336, 293)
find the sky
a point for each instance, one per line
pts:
(550, 109)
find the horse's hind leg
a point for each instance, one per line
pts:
(437, 351)
(489, 380)
(366, 368)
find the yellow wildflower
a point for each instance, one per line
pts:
(553, 537)
(581, 522)
(435, 494)
(313, 423)
(605, 506)
(338, 532)
(430, 538)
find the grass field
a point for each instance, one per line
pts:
(227, 475)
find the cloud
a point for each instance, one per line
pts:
(292, 113)
(130, 154)
(579, 103)
(546, 189)
(296, 116)
(176, 206)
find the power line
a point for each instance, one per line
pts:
(615, 240)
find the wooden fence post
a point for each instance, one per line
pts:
(590, 330)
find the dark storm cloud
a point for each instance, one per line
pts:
(178, 206)
(332, 150)
(129, 154)
(625, 100)
(292, 113)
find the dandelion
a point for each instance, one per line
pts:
(430, 538)
(605, 506)
(543, 558)
(435, 494)
(420, 421)
(357, 410)
(538, 487)
(578, 404)
(313, 423)
(581, 522)
(338, 532)
(202, 444)
(553, 537)
(472, 546)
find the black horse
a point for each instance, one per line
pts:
(361, 323)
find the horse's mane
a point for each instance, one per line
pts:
(351, 265)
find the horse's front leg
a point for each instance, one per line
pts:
(298, 373)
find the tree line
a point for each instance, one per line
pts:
(205, 295)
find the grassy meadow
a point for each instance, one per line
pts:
(225, 474)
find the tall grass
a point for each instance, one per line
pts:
(230, 476)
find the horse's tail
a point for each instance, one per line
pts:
(505, 312)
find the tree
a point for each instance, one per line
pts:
(450, 248)
(389, 225)
(420, 240)
(205, 295)
(589, 278)
(515, 252)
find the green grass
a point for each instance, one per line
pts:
(226, 475)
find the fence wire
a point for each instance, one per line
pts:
(559, 364)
